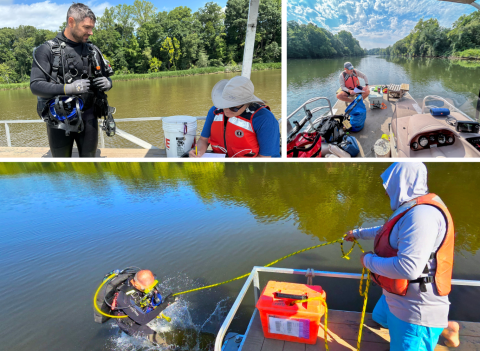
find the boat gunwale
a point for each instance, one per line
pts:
(254, 276)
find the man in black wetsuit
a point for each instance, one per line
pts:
(70, 76)
(130, 300)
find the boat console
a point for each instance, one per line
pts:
(438, 138)
(422, 135)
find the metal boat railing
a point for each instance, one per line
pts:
(312, 111)
(119, 132)
(254, 277)
(435, 97)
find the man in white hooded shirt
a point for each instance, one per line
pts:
(416, 320)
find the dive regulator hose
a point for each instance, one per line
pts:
(95, 299)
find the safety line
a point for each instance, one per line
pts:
(344, 255)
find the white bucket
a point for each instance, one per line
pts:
(177, 142)
(382, 148)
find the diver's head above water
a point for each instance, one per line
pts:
(143, 280)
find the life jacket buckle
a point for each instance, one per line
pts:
(428, 279)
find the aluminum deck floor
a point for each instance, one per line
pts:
(44, 152)
(343, 331)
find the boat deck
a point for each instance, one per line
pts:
(343, 332)
(376, 124)
(377, 121)
(44, 152)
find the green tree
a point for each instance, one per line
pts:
(155, 64)
(212, 35)
(143, 12)
(7, 73)
(171, 47)
(202, 59)
(22, 49)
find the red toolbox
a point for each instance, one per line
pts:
(284, 319)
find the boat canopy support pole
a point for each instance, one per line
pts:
(7, 133)
(478, 107)
(250, 38)
(102, 139)
(474, 4)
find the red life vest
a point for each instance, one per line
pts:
(235, 136)
(444, 254)
(351, 82)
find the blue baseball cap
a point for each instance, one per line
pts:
(348, 65)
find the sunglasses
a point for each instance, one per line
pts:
(235, 109)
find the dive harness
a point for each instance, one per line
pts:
(90, 62)
(104, 300)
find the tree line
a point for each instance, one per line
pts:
(310, 41)
(139, 39)
(429, 39)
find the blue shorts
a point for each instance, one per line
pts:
(405, 336)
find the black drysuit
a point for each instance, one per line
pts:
(136, 323)
(41, 85)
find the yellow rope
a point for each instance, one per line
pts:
(365, 297)
(268, 265)
(325, 335)
(344, 255)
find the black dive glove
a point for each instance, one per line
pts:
(78, 87)
(169, 299)
(102, 83)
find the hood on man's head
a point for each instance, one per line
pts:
(405, 181)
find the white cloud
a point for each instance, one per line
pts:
(374, 22)
(42, 15)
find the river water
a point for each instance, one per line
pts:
(66, 225)
(189, 96)
(457, 81)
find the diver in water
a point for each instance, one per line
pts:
(70, 77)
(136, 299)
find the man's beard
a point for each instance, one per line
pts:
(78, 38)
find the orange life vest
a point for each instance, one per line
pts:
(444, 254)
(351, 82)
(235, 136)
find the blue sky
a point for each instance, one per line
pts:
(51, 14)
(375, 23)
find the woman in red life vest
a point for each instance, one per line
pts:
(349, 80)
(239, 124)
(412, 262)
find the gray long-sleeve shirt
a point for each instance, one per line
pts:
(415, 235)
(342, 79)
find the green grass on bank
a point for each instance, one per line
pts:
(14, 86)
(168, 74)
(474, 53)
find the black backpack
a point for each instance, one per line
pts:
(331, 129)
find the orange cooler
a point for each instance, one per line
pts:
(283, 321)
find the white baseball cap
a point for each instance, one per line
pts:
(234, 92)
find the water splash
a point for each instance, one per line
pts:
(181, 334)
